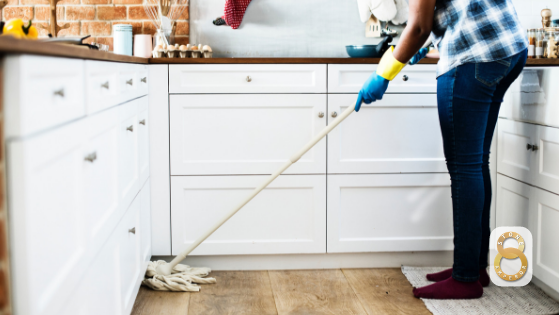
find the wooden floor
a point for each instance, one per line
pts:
(334, 291)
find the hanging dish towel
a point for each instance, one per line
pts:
(234, 12)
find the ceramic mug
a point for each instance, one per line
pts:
(143, 45)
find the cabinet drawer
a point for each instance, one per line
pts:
(388, 213)
(247, 78)
(533, 97)
(41, 93)
(128, 82)
(529, 153)
(245, 134)
(129, 179)
(101, 85)
(398, 134)
(143, 140)
(412, 79)
(288, 217)
(142, 80)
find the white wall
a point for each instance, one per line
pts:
(303, 28)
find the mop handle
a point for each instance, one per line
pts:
(257, 190)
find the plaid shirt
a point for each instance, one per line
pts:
(475, 31)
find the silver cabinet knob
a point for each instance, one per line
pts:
(532, 147)
(334, 114)
(133, 230)
(130, 128)
(105, 85)
(248, 79)
(144, 79)
(129, 82)
(405, 77)
(59, 92)
(142, 122)
(321, 115)
(91, 157)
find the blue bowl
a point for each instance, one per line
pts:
(362, 51)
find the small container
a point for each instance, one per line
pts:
(531, 49)
(142, 45)
(122, 39)
(539, 45)
(551, 47)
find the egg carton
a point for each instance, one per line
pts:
(188, 51)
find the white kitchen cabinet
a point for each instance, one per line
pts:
(528, 153)
(398, 134)
(288, 217)
(128, 152)
(50, 227)
(145, 224)
(513, 208)
(389, 213)
(347, 78)
(101, 85)
(246, 78)
(143, 140)
(533, 97)
(245, 134)
(128, 81)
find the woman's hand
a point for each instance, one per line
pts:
(419, 56)
(373, 90)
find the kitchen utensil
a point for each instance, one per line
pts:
(163, 276)
(369, 51)
(143, 45)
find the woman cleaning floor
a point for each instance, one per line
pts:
(482, 50)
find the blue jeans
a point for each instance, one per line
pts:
(469, 99)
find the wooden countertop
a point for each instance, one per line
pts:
(10, 45)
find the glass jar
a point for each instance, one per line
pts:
(551, 46)
(532, 38)
(539, 44)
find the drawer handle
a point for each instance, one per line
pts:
(130, 128)
(321, 114)
(133, 230)
(91, 157)
(248, 79)
(59, 92)
(532, 147)
(129, 82)
(144, 79)
(405, 77)
(334, 114)
(105, 85)
(142, 122)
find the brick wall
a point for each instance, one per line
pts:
(93, 17)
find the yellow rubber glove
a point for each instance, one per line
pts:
(389, 67)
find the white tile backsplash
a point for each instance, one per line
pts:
(529, 11)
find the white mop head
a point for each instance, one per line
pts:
(183, 278)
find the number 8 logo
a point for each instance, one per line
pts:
(510, 253)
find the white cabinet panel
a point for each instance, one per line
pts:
(544, 208)
(41, 92)
(128, 152)
(145, 224)
(143, 140)
(386, 213)
(244, 78)
(514, 200)
(127, 81)
(49, 238)
(345, 78)
(101, 85)
(545, 161)
(288, 217)
(101, 176)
(245, 134)
(142, 71)
(401, 133)
(129, 259)
(533, 97)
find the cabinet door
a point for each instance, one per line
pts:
(101, 177)
(101, 85)
(288, 217)
(399, 134)
(145, 223)
(388, 213)
(130, 261)
(513, 203)
(47, 218)
(128, 152)
(245, 134)
(544, 209)
(515, 154)
(143, 140)
(545, 159)
(127, 81)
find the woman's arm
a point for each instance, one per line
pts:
(417, 30)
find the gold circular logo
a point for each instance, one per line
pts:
(510, 253)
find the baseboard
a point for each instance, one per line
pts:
(318, 261)
(545, 287)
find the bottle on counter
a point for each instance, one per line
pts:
(539, 44)
(531, 49)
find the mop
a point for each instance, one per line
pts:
(173, 276)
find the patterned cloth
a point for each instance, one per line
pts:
(234, 11)
(476, 31)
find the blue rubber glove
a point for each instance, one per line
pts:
(373, 90)
(419, 56)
